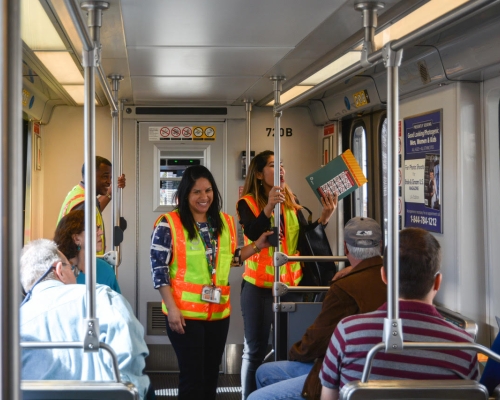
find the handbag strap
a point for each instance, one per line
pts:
(309, 218)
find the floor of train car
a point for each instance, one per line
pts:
(165, 384)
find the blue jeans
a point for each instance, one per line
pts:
(258, 316)
(281, 380)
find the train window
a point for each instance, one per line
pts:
(383, 149)
(359, 151)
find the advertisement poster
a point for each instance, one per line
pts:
(422, 178)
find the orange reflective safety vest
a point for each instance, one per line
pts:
(189, 270)
(77, 196)
(259, 269)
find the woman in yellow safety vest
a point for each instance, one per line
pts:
(255, 212)
(192, 250)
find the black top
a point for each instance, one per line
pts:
(253, 226)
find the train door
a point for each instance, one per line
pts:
(364, 136)
(165, 150)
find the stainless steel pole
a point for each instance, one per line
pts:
(11, 180)
(117, 235)
(107, 90)
(91, 61)
(248, 108)
(393, 332)
(277, 80)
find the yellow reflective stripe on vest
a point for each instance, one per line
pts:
(189, 270)
(259, 269)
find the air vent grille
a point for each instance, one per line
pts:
(156, 320)
(424, 72)
(181, 110)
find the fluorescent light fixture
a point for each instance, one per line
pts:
(61, 65)
(37, 30)
(290, 94)
(331, 69)
(421, 16)
(77, 92)
(39, 34)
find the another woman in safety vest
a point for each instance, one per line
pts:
(192, 250)
(255, 211)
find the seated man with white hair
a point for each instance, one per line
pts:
(54, 311)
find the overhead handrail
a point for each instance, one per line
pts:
(75, 345)
(441, 22)
(88, 45)
(107, 90)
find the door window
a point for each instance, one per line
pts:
(359, 151)
(172, 165)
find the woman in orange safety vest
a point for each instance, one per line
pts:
(255, 211)
(192, 250)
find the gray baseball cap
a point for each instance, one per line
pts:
(362, 232)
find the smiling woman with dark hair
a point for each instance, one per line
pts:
(192, 251)
(70, 239)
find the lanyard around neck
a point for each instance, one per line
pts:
(209, 253)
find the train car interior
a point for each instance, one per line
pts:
(157, 86)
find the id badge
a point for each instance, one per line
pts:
(211, 294)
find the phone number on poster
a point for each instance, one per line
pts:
(416, 219)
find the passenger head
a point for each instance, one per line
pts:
(70, 236)
(363, 238)
(431, 175)
(38, 257)
(419, 264)
(103, 175)
(260, 180)
(198, 196)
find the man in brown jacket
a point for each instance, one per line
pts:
(359, 291)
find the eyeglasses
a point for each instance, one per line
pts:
(74, 268)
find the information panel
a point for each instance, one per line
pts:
(422, 177)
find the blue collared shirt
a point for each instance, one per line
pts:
(56, 313)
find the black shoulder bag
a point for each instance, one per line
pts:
(313, 242)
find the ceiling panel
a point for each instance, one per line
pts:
(199, 61)
(185, 89)
(223, 22)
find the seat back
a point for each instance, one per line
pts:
(415, 390)
(299, 319)
(77, 390)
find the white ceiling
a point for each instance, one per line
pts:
(218, 52)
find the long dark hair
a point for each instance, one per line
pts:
(254, 186)
(190, 176)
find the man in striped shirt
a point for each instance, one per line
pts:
(420, 279)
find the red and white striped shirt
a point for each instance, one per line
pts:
(354, 336)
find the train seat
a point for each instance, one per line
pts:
(77, 390)
(414, 389)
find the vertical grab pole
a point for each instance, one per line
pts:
(120, 171)
(277, 80)
(11, 186)
(91, 59)
(117, 234)
(248, 108)
(393, 333)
